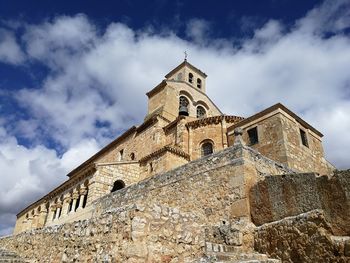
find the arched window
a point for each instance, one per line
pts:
(132, 156)
(207, 148)
(119, 184)
(183, 106)
(199, 83)
(190, 78)
(201, 112)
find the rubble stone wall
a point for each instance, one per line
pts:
(164, 218)
(304, 238)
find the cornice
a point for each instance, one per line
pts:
(213, 120)
(168, 148)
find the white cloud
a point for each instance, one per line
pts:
(198, 30)
(97, 80)
(10, 51)
(29, 173)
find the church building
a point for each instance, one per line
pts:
(182, 124)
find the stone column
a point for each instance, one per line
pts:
(59, 206)
(75, 197)
(190, 141)
(29, 220)
(24, 227)
(224, 133)
(50, 216)
(35, 219)
(82, 192)
(65, 207)
(42, 216)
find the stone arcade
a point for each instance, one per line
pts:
(192, 184)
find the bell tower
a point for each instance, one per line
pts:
(186, 72)
(181, 93)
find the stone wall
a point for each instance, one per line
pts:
(142, 142)
(304, 158)
(277, 197)
(212, 132)
(279, 139)
(165, 218)
(136, 233)
(304, 238)
(107, 173)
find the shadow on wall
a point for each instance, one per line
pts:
(280, 196)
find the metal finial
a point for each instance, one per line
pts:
(185, 55)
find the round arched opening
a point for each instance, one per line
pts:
(183, 106)
(207, 148)
(119, 184)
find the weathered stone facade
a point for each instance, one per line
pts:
(190, 184)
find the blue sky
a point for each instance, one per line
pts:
(73, 75)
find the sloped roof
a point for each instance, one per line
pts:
(271, 109)
(183, 64)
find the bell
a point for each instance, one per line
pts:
(183, 111)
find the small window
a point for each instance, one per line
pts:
(199, 83)
(132, 156)
(119, 184)
(201, 112)
(121, 153)
(303, 138)
(190, 78)
(253, 136)
(150, 167)
(207, 148)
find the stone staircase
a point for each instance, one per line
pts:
(9, 257)
(233, 254)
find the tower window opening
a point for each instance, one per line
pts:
(190, 78)
(253, 135)
(120, 156)
(119, 184)
(207, 148)
(304, 138)
(199, 83)
(201, 112)
(183, 106)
